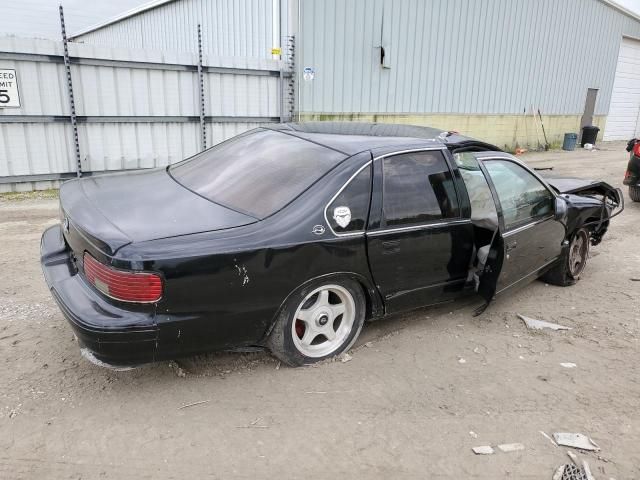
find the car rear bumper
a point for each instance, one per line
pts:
(113, 335)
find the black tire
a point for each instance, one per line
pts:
(634, 193)
(289, 350)
(567, 272)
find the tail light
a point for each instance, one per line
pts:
(636, 149)
(140, 287)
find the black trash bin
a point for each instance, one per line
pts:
(589, 135)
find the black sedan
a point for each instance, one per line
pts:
(289, 237)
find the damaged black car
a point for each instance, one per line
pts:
(290, 237)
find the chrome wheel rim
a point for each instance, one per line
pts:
(578, 252)
(323, 321)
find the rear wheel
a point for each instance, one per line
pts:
(634, 193)
(319, 321)
(573, 261)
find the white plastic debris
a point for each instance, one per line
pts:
(483, 450)
(534, 324)
(575, 440)
(568, 365)
(88, 355)
(345, 357)
(473, 434)
(511, 447)
(548, 438)
(587, 470)
(462, 360)
(558, 473)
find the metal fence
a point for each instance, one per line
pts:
(134, 108)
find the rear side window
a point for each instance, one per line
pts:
(350, 209)
(257, 173)
(418, 188)
(522, 197)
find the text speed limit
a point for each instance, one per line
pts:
(9, 96)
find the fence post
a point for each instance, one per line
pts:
(72, 104)
(203, 130)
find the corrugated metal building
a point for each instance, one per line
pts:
(483, 67)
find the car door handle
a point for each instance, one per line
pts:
(390, 246)
(511, 245)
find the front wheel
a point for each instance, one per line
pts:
(634, 192)
(319, 321)
(573, 261)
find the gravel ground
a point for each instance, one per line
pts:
(420, 391)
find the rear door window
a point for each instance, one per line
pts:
(257, 173)
(418, 188)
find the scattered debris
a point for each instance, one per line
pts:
(568, 365)
(511, 447)
(88, 355)
(569, 472)
(549, 438)
(345, 357)
(587, 470)
(194, 404)
(574, 458)
(483, 450)
(576, 440)
(278, 365)
(254, 424)
(177, 368)
(368, 344)
(461, 360)
(534, 324)
(557, 475)
(473, 434)
(488, 449)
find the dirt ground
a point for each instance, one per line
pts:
(419, 392)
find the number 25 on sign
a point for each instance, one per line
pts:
(9, 96)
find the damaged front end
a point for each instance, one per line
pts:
(591, 204)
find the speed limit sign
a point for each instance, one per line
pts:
(9, 96)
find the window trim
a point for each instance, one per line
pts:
(434, 223)
(533, 221)
(424, 226)
(345, 185)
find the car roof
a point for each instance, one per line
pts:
(354, 137)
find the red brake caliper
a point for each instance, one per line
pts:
(300, 328)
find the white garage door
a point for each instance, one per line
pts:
(623, 121)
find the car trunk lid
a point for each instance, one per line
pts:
(111, 211)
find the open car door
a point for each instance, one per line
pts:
(529, 236)
(490, 274)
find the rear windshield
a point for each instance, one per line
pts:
(257, 173)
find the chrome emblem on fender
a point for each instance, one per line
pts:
(318, 230)
(342, 216)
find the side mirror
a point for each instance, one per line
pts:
(561, 208)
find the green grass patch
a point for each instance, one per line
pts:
(35, 195)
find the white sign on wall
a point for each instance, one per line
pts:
(9, 96)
